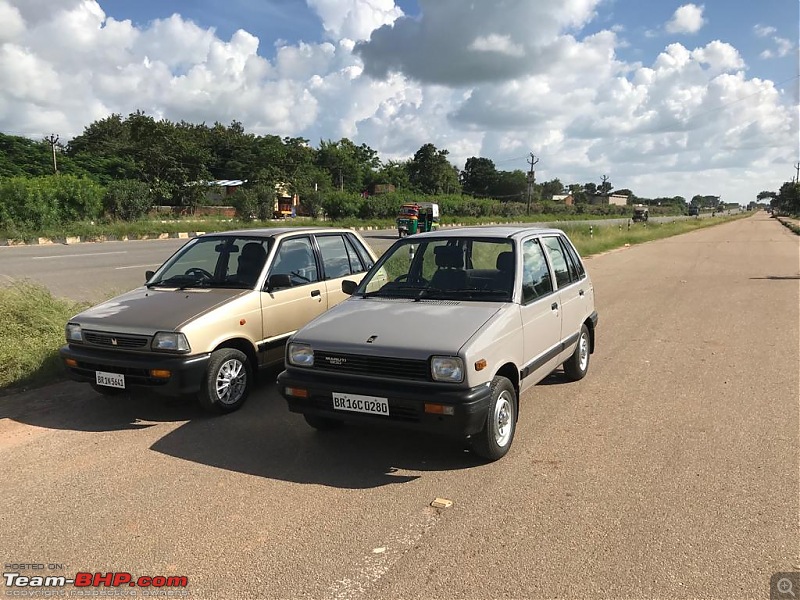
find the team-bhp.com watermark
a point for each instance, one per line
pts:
(32, 581)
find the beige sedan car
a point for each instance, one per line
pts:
(218, 309)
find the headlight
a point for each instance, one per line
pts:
(300, 355)
(169, 341)
(447, 368)
(74, 333)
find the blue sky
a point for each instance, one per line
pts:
(666, 98)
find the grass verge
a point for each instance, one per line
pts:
(33, 331)
(35, 320)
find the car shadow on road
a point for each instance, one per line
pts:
(262, 438)
(266, 440)
(75, 406)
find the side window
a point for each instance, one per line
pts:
(295, 258)
(556, 254)
(575, 258)
(536, 280)
(366, 259)
(335, 258)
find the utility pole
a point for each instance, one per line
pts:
(797, 171)
(531, 179)
(53, 140)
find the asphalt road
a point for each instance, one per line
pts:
(92, 272)
(671, 471)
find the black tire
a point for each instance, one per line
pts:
(322, 423)
(105, 390)
(228, 381)
(577, 365)
(494, 440)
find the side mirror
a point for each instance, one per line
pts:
(349, 287)
(278, 280)
(148, 275)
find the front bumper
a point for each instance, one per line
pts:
(187, 372)
(406, 402)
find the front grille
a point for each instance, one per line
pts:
(380, 366)
(115, 340)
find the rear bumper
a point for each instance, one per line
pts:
(406, 402)
(187, 372)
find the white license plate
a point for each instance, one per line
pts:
(115, 380)
(363, 404)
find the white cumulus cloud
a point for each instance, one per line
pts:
(687, 19)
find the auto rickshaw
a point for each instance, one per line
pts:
(417, 217)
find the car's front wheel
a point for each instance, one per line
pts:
(577, 365)
(228, 381)
(494, 440)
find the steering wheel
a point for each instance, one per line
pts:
(199, 273)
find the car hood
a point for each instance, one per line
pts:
(398, 327)
(146, 310)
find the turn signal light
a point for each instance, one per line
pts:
(480, 365)
(160, 373)
(297, 392)
(71, 362)
(439, 409)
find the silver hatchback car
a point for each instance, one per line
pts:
(445, 333)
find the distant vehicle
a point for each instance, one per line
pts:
(419, 217)
(640, 213)
(694, 211)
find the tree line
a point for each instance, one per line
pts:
(132, 163)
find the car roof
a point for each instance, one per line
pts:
(270, 232)
(492, 231)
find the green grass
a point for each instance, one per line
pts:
(608, 237)
(34, 320)
(153, 227)
(32, 333)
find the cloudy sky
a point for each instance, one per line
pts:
(662, 97)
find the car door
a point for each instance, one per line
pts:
(285, 310)
(342, 258)
(541, 315)
(571, 291)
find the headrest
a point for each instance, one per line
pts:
(253, 251)
(505, 261)
(449, 257)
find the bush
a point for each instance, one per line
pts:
(341, 205)
(127, 199)
(245, 201)
(41, 202)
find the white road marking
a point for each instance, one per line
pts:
(137, 266)
(379, 561)
(79, 255)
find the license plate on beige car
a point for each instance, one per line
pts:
(115, 380)
(363, 404)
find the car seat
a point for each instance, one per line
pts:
(450, 273)
(251, 262)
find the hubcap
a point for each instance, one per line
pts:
(502, 419)
(231, 381)
(584, 352)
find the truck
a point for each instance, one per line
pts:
(640, 213)
(417, 217)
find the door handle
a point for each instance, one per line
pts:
(554, 306)
(315, 293)
(580, 293)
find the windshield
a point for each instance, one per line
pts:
(461, 268)
(219, 261)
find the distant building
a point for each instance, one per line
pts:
(567, 199)
(613, 199)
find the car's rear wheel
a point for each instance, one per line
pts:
(577, 365)
(228, 382)
(322, 423)
(494, 440)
